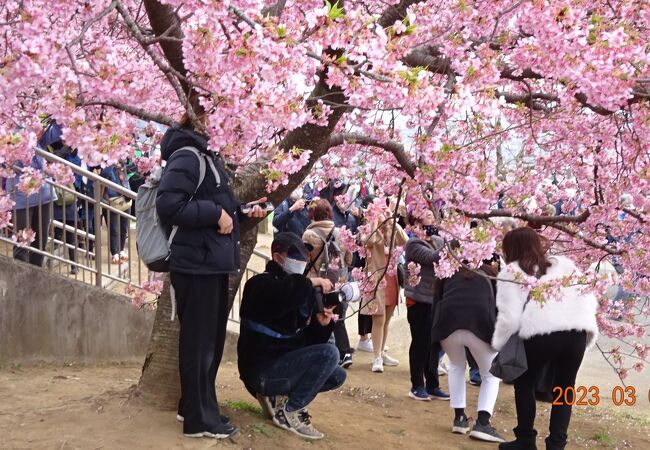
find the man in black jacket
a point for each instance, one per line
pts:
(205, 249)
(283, 355)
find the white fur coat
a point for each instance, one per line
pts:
(575, 310)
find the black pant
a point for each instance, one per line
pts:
(565, 349)
(365, 324)
(118, 231)
(203, 312)
(341, 339)
(423, 355)
(39, 221)
(70, 238)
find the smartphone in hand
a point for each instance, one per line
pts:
(266, 206)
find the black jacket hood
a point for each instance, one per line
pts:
(178, 137)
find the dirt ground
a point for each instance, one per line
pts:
(76, 407)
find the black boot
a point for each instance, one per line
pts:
(523, 441)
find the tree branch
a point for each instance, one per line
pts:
(394, 147)
(528, 217)
(138, 112)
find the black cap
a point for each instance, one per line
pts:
(291, 244)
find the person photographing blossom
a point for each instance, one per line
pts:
(283, 356)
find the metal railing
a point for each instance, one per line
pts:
(72, 234)
(97, 243)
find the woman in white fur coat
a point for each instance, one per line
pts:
(558, 331)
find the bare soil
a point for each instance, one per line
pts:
(76, 407)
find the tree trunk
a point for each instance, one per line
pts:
(160, 384)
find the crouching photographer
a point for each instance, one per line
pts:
(283, 355)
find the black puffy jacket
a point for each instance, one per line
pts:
(197, 247)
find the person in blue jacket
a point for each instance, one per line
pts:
(34, 211)
(292, 215)
(204, 251)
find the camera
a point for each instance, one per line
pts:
(347, 293)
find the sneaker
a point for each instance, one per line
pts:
(461, 425)
(346, 361)
(419, 393)
(485, 433)
(437, 394)
(365, 346)
(474, 377)
(225, 430)
(378, 365)
(442, 368)
(181, 419)
(388, 360)
(298, 422)
(123, 256)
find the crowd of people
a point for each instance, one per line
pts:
(294, 344)
(39, 210)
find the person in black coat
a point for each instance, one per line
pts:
(205, 250)
(283, 355)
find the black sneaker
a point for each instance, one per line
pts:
(223, 431)
(346, 361)
(485, 433)
(461, 425)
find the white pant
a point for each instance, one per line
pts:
(454, 345)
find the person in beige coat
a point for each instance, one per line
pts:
(316, 234)
(381, 303)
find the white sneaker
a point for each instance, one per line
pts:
(378, 365)
(365, 346)
(442, 368)
(388, 360)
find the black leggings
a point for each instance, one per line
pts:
(565, 349)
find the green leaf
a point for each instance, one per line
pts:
(282, 31)
(334, 11)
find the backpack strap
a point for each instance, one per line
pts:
(202, 170)
(325, 242)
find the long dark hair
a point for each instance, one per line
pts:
(524, 246)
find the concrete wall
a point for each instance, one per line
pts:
(48, 317)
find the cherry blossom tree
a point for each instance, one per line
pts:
(536, 106)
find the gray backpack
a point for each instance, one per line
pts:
(154, 247)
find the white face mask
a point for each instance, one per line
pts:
(294, 266)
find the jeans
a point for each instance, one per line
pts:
(301, 374)
(39, 221)
(423, 356)
(565, 349)
(203, 313)
(454, 345)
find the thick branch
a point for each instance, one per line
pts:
(533, 218)
(395, 13)
(579, 235)
(138, 112)
(395, 148)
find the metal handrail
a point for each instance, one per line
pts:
(97, 271)
(85, 173)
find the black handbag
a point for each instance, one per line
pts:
(511, 362)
